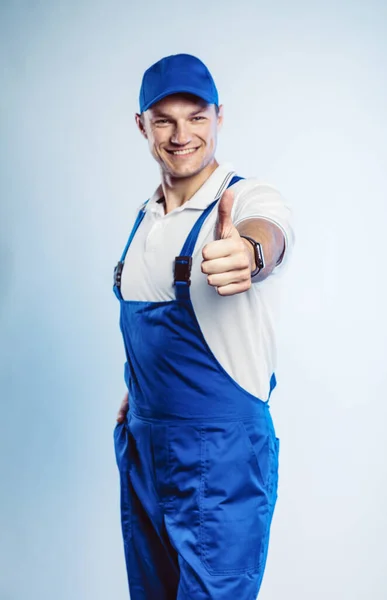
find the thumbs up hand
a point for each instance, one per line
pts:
(227, 261)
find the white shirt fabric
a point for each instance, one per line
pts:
(239, 329)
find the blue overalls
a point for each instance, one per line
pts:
(197, 455)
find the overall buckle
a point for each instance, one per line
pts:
(118, 273)
(182, 271)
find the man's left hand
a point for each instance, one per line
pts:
(228, 260)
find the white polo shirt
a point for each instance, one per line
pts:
(239, 329)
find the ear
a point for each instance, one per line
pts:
(220, 117)
(140, 124)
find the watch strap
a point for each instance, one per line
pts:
(258, 255)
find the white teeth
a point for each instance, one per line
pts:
(184, 151)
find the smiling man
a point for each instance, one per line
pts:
(198, 283)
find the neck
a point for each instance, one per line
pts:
(177, 191)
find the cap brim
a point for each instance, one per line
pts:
(179, 90)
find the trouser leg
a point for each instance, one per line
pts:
(151, 561)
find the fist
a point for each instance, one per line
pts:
(227, 261)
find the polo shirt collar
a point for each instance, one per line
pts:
(212, 188)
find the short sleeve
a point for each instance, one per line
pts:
(254, 199)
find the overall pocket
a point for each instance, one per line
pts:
(235, 497)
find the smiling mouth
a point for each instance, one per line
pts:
(185, 152)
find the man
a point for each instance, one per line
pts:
(197, 282)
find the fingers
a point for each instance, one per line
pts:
(231, 277)
(227, 266)
(236, 263)
(234, 288)
(223, 248)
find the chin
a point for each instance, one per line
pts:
(185, 170)
(182, 173)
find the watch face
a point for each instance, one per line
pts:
(260, 253)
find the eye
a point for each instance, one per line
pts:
(198, 118)
(162, 121)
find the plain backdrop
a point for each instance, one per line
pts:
(304, 88)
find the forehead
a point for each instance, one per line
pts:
(179, 103)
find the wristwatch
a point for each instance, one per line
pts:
(258, 255)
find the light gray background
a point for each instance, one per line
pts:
(304, 88)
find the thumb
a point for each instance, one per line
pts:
(224, 225)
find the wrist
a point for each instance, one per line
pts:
(251, 252)
(258, 259)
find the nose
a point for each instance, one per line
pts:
(181, 135)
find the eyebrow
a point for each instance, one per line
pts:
(159, 113)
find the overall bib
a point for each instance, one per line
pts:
(197, 455)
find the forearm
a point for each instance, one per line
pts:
(271, 238)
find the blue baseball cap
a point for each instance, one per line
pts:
(179, 73)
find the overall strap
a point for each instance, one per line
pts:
(136, 225)
(183, 262)
(120, 265)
